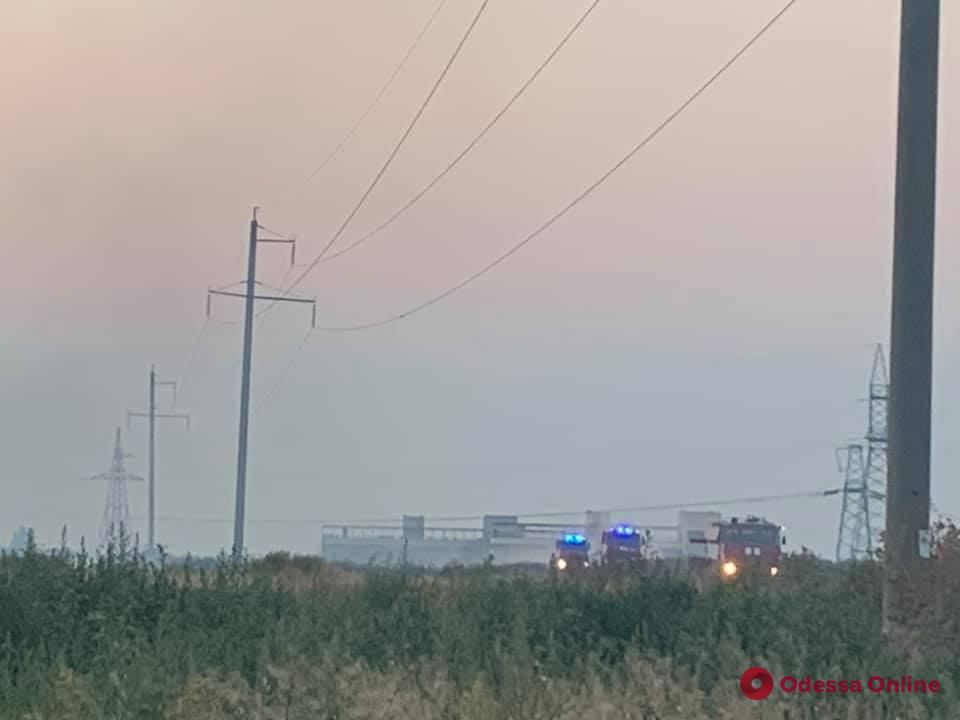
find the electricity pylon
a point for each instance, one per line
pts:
(864, 465)
(116, 509)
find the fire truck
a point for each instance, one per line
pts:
(751, 543)
(622, 544)
(572, 552)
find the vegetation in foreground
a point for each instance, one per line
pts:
(114, 637)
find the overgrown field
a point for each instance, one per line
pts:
(113, 637)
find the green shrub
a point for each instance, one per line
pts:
(116, 636)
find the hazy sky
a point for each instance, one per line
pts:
(699, 328)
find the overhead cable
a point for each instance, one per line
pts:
(192, 358)
(403, 138)
(573, 203)
(757, 499)
(383, 90)
(473, 143)
(654, 508)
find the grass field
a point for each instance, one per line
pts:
(291, 637)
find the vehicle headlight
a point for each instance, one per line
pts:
(774, 570)
(729, 568)
(561, 564)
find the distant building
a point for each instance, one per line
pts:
(504, 539)
(501, 537)
(21, 539)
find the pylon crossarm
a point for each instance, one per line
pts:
(287, 294)
(276, 298)
(239, 283)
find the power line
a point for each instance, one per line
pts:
(195, 348)
(403, 139)
(270, 521)
(653, 508)
(396, 149)
(443, 173)
(496, 118)
(637, 148)
(454, 518)
(266, 398)
(262, 402)
(490, 266)
(279, 234)
(193, 356)
(573, 203)
(383, 90)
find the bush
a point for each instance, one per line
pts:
(116, 636)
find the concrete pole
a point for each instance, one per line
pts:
(911, 345)
(240, 507)
(151, 475)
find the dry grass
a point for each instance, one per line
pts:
(289, 637)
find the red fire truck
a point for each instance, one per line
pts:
(622, 544)
(751, 542)
(572, 553)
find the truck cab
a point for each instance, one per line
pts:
(749, 543)
(622, 544)
(572, 551)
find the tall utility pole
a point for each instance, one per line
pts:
(152, 416)
(911, 346)
(250, 296)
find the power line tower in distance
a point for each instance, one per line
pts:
(152, 415)
(116, 509)
(864, 465)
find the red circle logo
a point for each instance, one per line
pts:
(756, 683)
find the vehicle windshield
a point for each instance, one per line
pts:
(633, 540)
(750, 535)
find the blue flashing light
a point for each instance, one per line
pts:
(574, 539)
(624, 531)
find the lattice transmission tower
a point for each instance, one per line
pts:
(116, 509)
(864, 466)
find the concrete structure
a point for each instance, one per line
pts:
(594, 525)
(412, 543)
(699, 526)
(906, 542)
(21, 538)
(501, 536)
